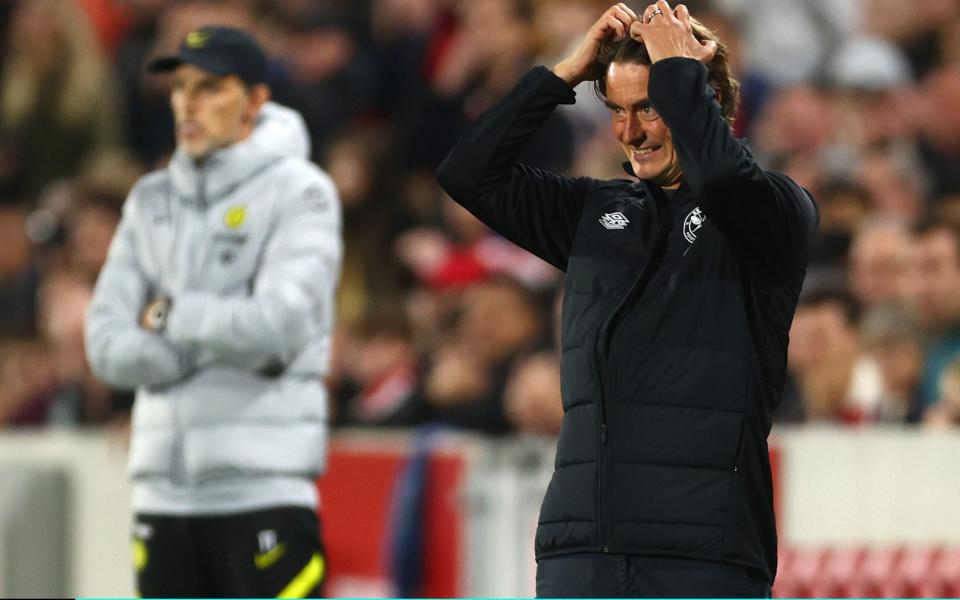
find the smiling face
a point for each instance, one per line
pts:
(212, 111)
(644, 137)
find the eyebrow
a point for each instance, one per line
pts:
(638, 104)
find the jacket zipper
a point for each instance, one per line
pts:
(601, 470)
(659, 249)
(179, 469)
(198, 269)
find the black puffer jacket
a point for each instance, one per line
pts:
(675, 322)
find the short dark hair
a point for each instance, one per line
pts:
(628, 50)
(931, 223)
(823, 296)
(837, 187)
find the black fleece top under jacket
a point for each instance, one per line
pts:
(674, 325)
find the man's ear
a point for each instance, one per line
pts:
(259, 95)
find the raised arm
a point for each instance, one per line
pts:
(765, 213)
(535, 209)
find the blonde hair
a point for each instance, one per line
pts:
(85, 71)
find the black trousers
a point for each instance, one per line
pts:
(629, 576)
(264, 553)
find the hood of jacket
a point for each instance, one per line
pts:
(279, 132)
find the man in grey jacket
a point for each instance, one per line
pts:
(216, 304)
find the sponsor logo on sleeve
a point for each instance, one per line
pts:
(614, 220)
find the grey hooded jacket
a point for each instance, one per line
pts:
(248, 248)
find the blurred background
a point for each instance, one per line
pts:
(445, 379)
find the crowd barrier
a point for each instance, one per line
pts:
(439, 514)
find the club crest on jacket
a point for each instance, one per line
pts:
(692, 224)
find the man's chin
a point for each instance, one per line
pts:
(646, 172)
(660, 176)
(194, 151)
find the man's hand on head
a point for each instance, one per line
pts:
(667, 33)
(579, 66)
(153, 317)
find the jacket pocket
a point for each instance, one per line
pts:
(682, 436)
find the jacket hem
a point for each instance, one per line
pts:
(762, 569)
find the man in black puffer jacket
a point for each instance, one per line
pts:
(679, 294)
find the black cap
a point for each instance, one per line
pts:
(219, 50)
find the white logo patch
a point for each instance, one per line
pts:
(693, 223)
(267, 540)
(142, 531)
(615, 220)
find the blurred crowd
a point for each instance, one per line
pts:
(439, 319)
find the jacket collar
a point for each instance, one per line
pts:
(680, 196)
(220, 173)
(279, 132)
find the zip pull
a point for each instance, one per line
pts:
(603, 433)
(202, 187)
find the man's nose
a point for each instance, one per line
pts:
(633, 132)
(191, 101)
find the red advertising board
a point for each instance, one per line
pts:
(356, 506)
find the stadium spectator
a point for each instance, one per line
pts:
(332, 75)
(935, 296)
(822, 357)
(19, 275)
(499, 320)
(945, 412)
(947, 209)
(879, 260)
(920, 33)
(793, 130)
(28, 373)
(89, 230)
(788, 42)
(893, 340)
(216, 304)
(58, 98)
(843, 206)
(894, 184)
(940, 129)
(379, 371)
(870, 79)
(373, 215)
(413, 39)
(558, 23)
(77, 398)
(495, 45)
(148, 121)
(464, 251)
(532, 395)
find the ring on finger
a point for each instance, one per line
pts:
(656, 12)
